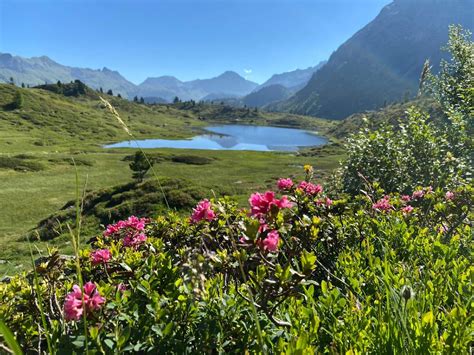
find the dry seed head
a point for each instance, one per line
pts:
(112, 109)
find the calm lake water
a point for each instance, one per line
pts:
(236, 137)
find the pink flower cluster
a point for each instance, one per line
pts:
(406, 198)
(261, 204)
(74, 308)
(418, 194)
(132, 222)
(407, 210)
(270, 243)
(383, 204)
(203, 211)
(131, 229)
(327, 202)
(101, 256)
(310, 188)
(285, 184)
(449, 196)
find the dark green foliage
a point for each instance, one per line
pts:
(415, 153)
(76, 88)
(17, 101)
(191, 159)
(454, 86)
(20, 164)
(346, 278)
(112, 204)
(140, 166)
(110, 92)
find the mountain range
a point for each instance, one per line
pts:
(227, 84)
(279, 87)
(43, 70)
(378, 65)
(382, 62)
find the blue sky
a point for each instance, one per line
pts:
(185, 38)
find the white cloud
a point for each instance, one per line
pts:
(247, 72)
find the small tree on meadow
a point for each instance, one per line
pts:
(142, 100)
(110, 92)
(140, 166)
(17, 102)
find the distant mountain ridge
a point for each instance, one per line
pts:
(228, 84)
(43, 70)
(293, 80)
(382, 62)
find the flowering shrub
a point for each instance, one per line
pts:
(79, 303)
(374, 272)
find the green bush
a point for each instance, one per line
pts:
(350, 275)
(191, 159)
(20, 164)
(418, 152)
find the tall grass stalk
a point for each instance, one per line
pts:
(40, 300)
(75, 237)
(114, 112)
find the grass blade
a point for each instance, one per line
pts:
(10, 338)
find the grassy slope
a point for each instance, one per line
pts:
(391, 114)
(50, 129)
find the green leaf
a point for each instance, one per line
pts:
(324, 286)
(9, 338)
(308, 260)
(428, 318)
(109, 343)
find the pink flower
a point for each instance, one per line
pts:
(270, 243)
(121, 287)
(73, 305)
(418, 194)
(132, 222)
(328, 202)
(407, 209)
(203, 211)
(406, 198)
(283, 203)
(261, 204)
(383, 204)
(100, 256)
(310, 188)
(134, 240)
(449, 195)
(285, 184)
